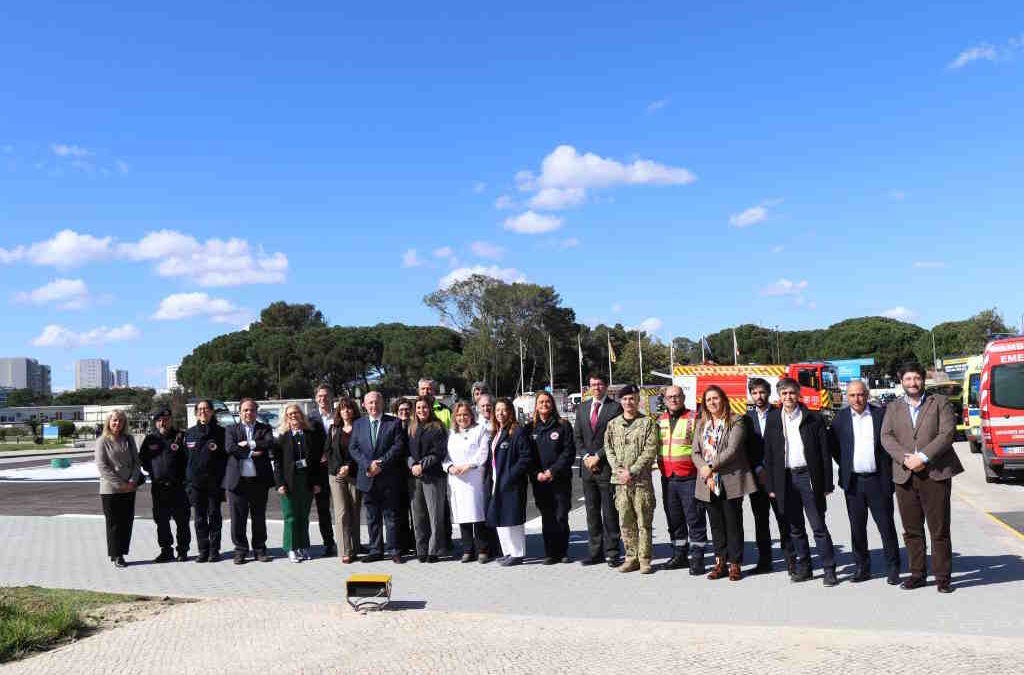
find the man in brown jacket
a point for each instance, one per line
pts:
(918, 433)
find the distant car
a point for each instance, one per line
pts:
(268, 417)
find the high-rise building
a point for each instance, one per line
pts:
(121, 379)
(172, 378)
(93, 374)
(24, 373)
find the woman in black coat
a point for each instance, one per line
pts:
(297, 452)
(510, 466)
(428, 484)
(552, 455)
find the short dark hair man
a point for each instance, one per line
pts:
(206, 465)
(760, 503)
(324, 416)
(165, 459)
(592, 419)
(798, 467)
(865, 474)
(917, 432)
(248, 478)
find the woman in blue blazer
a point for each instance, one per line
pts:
(510, 467)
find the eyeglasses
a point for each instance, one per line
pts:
(673, 396)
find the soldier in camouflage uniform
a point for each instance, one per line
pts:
(631, 446)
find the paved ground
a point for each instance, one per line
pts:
(472, 610)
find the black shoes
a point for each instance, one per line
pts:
(800, 573)
(862, 574)
(422, 558)
(433, 559)
(942, 586)
(697, 565)
(894, 578)
(466, 557)
(239, 558)
(119, 561)
(203, 556)
(182, 556)
(594, 560)
(166, 555)
(763, 567)
(397, 559)
(913, 582)
(677, 560)
(550, 561)
(261, 555)
(372, 557)
(330, 551)
(829, 578)
(565, 560)
(509, 561)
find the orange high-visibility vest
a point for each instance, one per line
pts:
(675, 458)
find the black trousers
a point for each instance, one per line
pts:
(686, 515)
(249, 499)
(868, 492)
(403, 515)
(323, 514)
(381, 503)
(760, 505)
(476, 538)
(602, 516)
(554, 501)
(800, 501)
(119, 513)
(726, 517)
(206, 505)
(170, 501)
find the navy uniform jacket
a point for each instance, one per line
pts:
(164, 457)
(207, 459)
(263, 439)
(552, 447)
(507, 505)
(389, 451)
(841, 442)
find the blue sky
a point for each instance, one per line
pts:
(684, 166)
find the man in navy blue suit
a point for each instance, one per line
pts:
(865, 474)
(378, 445)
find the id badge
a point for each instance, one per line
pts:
(300, 464)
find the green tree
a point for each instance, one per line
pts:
(26, 397)
(960, 338)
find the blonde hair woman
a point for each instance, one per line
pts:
(117, 459)
(297, 470)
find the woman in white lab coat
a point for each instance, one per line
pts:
(465, 464)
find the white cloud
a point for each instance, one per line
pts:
(504, 202)
(411, 259)
(650, 325)
(485, 249)
(186, 305)
(506, 274)
(785, 287)
(444, 252)
(554, 199)
(753, 215)
(54, 335)
(929, 265)
(779, 248)
(566, 168)
(525, 181)
(68, 248)
(213, 263)
(655, 106)
(68, 293)
(68, 150)
(983, 52)
(616, 307)
(15, 254)
(900, 312)
(571, 242)
(531, 222)
(479, 186)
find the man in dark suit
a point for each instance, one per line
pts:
(760, 503)
(592, 419)
(247, 479)
(798, 472)
(865, 474)
(378, 445)
(324, 416)
(917, 432)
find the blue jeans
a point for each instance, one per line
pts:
(800, 501)
(687, 516)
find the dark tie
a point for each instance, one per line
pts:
(373, 432)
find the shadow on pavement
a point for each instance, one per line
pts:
(982, 570)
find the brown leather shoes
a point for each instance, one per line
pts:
(735, 573)
(718, 571)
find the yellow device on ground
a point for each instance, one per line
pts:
(368, 591)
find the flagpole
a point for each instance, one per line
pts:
(640, 351)
(522, 379)
(702, 357)
(579, 350)
(609, 336)
(735, 349)
(671, 356)
(551, 365)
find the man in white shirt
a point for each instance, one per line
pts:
(865, 474)
(798, 475)
(324, 415)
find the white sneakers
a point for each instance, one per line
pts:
(294, 556)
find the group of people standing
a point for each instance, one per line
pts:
(425, 467)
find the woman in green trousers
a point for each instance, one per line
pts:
(297, 469)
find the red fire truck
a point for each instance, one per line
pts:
(819, 383)
(1001, 398)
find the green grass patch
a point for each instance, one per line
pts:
(34, 618)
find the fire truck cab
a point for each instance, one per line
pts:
(1001, 399)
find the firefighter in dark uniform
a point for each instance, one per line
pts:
(207, 462)
(165, 459)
